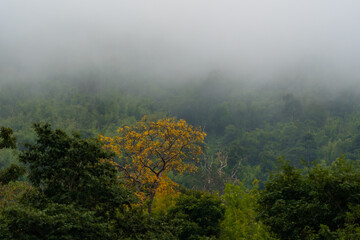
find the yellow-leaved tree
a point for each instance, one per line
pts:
(149, 149)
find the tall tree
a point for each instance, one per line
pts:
(72, 170)
(149, 149)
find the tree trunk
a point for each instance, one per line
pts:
(151, 200)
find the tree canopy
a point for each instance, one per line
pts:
(148, 150)
(312, 204)
(70, 169)
(75, 192)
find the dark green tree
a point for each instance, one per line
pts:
(198, 214)
(71, 170)
(12, 173)
(53, 222)
(300, 205)
(7, 138)
(75, 195)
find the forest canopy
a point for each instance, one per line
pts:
(246, 130)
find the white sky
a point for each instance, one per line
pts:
(167, 37)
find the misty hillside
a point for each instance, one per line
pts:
(253, 125)
(266, 93)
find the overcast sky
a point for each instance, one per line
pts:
(168, 37)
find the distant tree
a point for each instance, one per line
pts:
(292, 108)
(353, 149)
(309, 144)
(219, 118)
(149, 149)
(212, 171)
(315, 114)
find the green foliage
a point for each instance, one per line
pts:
(72, 170)
(12, 173)
(240, 217)
(7, 139)
(197, 215)
(135, 224)
(282, 203)
(352, 225)
(297, 205)
(53, 222)
(75, 194)
(8, 157)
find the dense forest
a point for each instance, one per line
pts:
(250, 126)
(279, 159)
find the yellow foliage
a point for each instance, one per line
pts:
(165, 200)
(149, 149)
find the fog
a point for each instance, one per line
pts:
(175, 40)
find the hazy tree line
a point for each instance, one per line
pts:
(249, 126)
